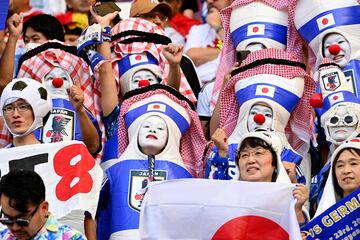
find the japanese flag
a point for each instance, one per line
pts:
(335, 98)
(265, 90)
(156, 107)
(325, 21)
(208, 209)
(256, 29)
(138, 58)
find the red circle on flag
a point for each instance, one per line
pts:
(325, 21)
(255, 29)
(265, 90)
(156, 106)
(251, 228)
(137, 57)
(335, 98)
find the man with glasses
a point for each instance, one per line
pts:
(24, 209)
(25, 105)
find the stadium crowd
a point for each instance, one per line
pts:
(255, 91)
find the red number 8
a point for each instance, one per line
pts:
(69, 172)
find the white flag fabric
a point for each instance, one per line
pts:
(71, 175)
(216, 209)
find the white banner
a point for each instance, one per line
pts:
(71, 175)
(215, 209)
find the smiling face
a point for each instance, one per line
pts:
(57, 81)
(347, 171)
(260, 116)
(337, 48)
(153, 135)
(143, 77)
(342, 124)
(255, 164)
(18, 116)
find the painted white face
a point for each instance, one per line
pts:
(252, 47)
(144, 75)
(153, 135)
(337, 48)
(342, 124)
(57, 81)
(267, 118)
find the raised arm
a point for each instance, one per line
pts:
(109, 94)
(90, 135)
(173, 53)
(15, 26)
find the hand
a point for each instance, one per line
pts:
(291, 170)
(173, 53)
(15, 25)
(76, 97)
(213, 18)
(228, 74)
(105, 20)
(301, 194)
(220, 140)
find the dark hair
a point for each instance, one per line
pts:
(23, 187)
(253, 142)
(46, 24)
(337, 187)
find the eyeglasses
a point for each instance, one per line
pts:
(9, 109)
(348, 120)
(259, 152)
(22, 222)
(153, 15)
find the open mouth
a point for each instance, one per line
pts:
(151, 136)
(252, 169)
(338, 57)
(348, 179)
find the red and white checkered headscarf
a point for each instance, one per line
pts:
(37, 66)
(120, 50)
(297, 130)
(5, 138)
(228, 56)
(192, 142)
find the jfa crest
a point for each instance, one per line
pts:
(59, 127)
(138, 182)
(331, 81)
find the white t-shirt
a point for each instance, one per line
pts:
(175, 37)
(202, 36)
(203, 104)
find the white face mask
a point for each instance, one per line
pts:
(267, 114)
(31, 46)
(337, 48)
(153, 135)
(57, 81)
(252, 47)
(342, 124)
(145, 75)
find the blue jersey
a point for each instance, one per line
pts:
(123, 192)
(225, 168)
